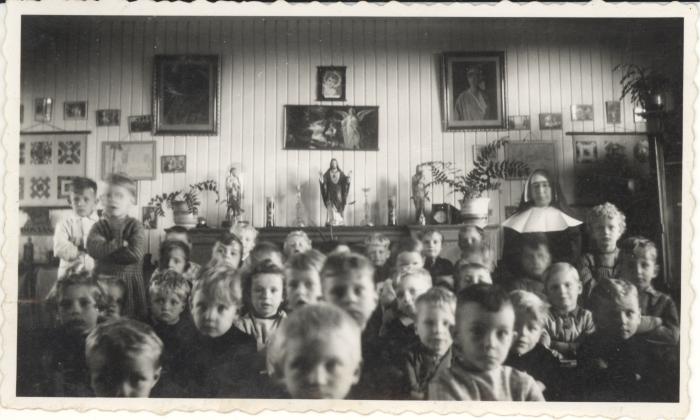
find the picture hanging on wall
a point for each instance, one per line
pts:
(639, 114)
(173, 164)
(75, 110)
(537, 155)
(612, 112)
(108, 117)
(43, 108)
(64, 186)
(140, 124)
(550, 121)
(330, 83)
(309, 127)
(581, 112)
(186, 94)
(149, 217)
(519, 122)
(474, 90)
(137, 159)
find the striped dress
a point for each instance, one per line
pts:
(106, 245)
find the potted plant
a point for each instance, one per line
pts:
(184, 203)
(474, 185)
(646, 87)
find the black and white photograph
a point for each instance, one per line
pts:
(43, 109)
(75, 110)
(561, 277)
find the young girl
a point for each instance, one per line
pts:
(296, 242)
(227, 251)
(118, 242)
(175, 255)
(248, 235)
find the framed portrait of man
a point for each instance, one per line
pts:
(474, 90)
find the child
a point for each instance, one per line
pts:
(118, 242)
(169, 293)
(567, 323)
(469, 273)
(303, 273)
(659, 313)
(175, 255)
(484, 333)
(377, 250)
(527, 354)
(470, 237)
(114, 290)
(435, 320)
(266, 251)
(248, 235)
(409, 257)
(70, 236)
(434, 263)
(296, 241)
(226, 252)
(221, 358)
(605, 225)
(263, 293)
(124, 359)
(180, 233)
(316, 352)
(533, 260)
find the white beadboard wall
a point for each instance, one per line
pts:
(269, 62)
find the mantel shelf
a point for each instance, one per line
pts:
(606, 133)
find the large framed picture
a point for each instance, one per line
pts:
(319, 127)
(536, 154)
(137, 159)
(474, 90)
(186, 94)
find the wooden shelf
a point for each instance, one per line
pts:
(606, 133)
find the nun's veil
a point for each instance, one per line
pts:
(558, 199)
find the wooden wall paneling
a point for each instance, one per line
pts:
(379, 44)
(369, 93)
(257, 193)
(270, 107)
(69, 84)
(608, 83)
(247, 140)
(392, 115)
(597, 82)
(310, 207)
(114, 78)
(287, 214)
(343, 39)
(280, 194)
(586, 82)
(311, 162)
(228, 145)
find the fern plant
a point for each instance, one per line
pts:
(483, 177)
(190, 197)
(642, 84)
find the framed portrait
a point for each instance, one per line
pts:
(550, 121)
(330, 83)
(108, 117)
(581, 112)
(149, 217)
(323, 127)
(43, 109)
(173, 164)
(612, 112)
(140, 124)
(137, 159)
(75, 110)
(537, 155)
(186, 94)
(519, 122)
(474, 90)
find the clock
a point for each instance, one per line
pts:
(444, 214)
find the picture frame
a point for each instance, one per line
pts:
(536, 154)
(137, 159)
(63, 188)
(320, 127)
(330, 83)
(108, 117)
(581, 112)
(43, 109)
(140, 123)
(149, 217)
(482, 105)
(638, 114)
(613, 115)
(75, 110)
(186, 94)
(550, 121)
(173, 164)
(518, 122)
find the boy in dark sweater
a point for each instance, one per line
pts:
(434, 263)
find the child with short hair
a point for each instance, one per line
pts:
(605, 225)
(266, 251)
(377, 250)
(118, 243)
(468, 273)
(527, 354)
(638, 266)
(303, 274)
(226, 252)
(114, 290)
(175, 255)
(297, 241)
(317, 352)
(409, 256)
(71, 233)
(533, 260)
(248, 235)
(182, 234)
(470, 237)
(434, 263)
(484, 334)
(567, 323)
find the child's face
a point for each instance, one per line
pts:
(177, 260)
(83, 202)
(266, 294)
(540, 190)
(326, 367)
(406, 260)
(434, 325)
(619, 319)
(526, 334)
(469, 238)
(115, 301)
(77, 308)
(535, 261)
(229, 254)
(408, 290)
(274, 256)
(605, 233)
(132, 377)
(296, 245)
(248, 241)
(378, 254)
(177, 236)
(212, 318)
(303, 288)
(562, 291)
(354, 292)
(483, 336)
(166, 306)
(473, 275)
(639, 270)
(118, 201)
(432, 245)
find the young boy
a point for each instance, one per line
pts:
(659, 313)
(114, 289)
(377, 249)
(248, 235)
(317, 352)
(484, 333)
(469, 238)
(435, 320)
(266, 251)
(533, 260)
(469, 273)
(71, 234)
(226, 252)
(296, 241)
(434, 263)
(567, 323)
(180, 233)
(303, 273)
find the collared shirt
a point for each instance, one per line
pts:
(657, 304)
(64, 238)
(569, 327)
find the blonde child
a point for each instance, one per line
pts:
(70, 236)
(226, 252)
(114, 290)
(303, 273)
(409, 257)
(399, 332)
(180, 233)
(248, 235)
(118, 242)
(468, 273)
(484, 333)
(296, 241)
(377, 248)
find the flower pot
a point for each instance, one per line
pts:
(182, 216)
(475, 211)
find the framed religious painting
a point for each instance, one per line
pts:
(330, 83)
(186, 94)
(474, 90)
(321, 127)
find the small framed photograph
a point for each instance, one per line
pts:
(330, 83)
(135, 158)
(173, 164)
(550, 121)
(140, 124)
(639, 114)
(43, 108)
(75, 110)
(519, 122)
(612, 112)
(586, 151)
(582, 112)
(149, 217)
(108, 117)
(64, 186)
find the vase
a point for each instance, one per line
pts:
(475, 211)
(182, 216)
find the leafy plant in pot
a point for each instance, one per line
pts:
(483, 177)
(646, 87)
(184, 203)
